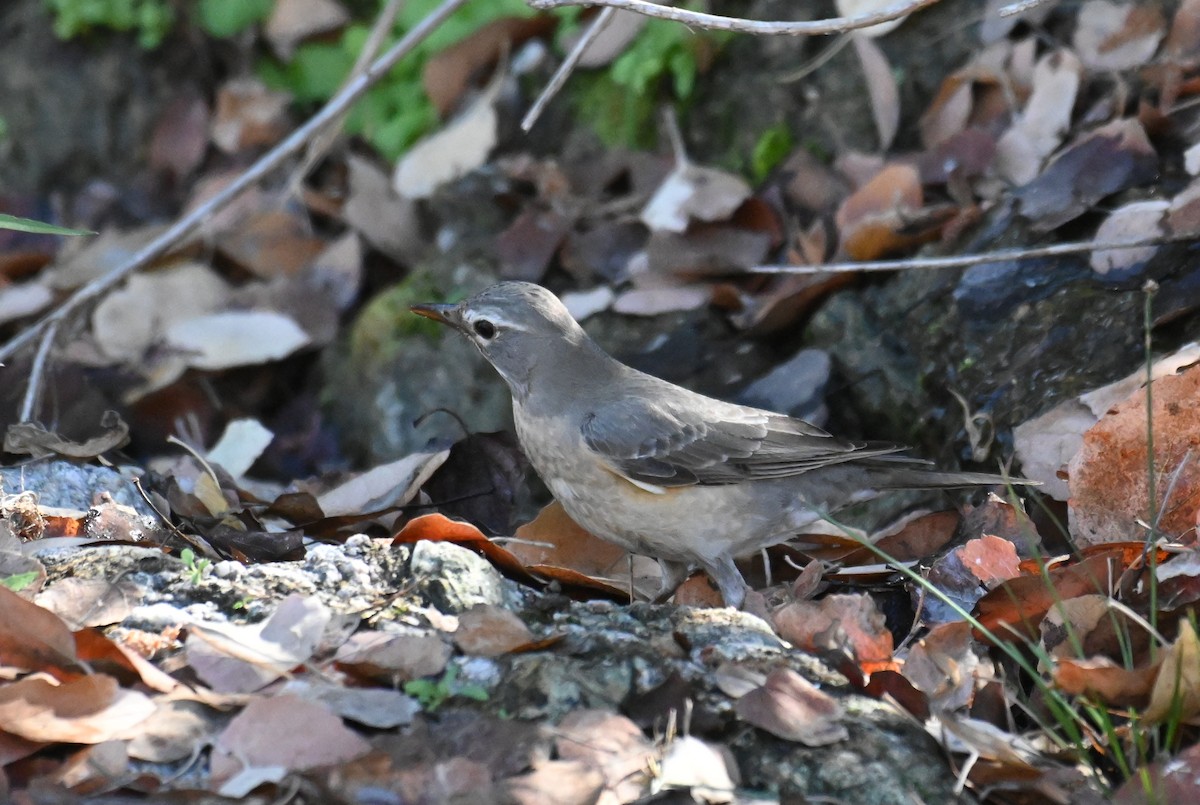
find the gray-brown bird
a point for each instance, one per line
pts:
(660, 470)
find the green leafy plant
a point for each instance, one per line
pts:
(662, 63)
(432, 694)
(197, 567)
(149, 19)
(395, 112)
(19, 581)
(226, 18)
(772, 148)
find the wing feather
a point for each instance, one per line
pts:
(692, 440)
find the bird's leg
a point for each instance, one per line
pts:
(729, 581)
(673, 575)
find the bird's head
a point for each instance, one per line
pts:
(516, 325)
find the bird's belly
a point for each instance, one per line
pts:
(686, 524)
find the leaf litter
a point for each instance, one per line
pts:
(221, 314)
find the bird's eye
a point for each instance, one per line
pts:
(485, 329)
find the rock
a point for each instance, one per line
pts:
(454, 579)
(796, 387)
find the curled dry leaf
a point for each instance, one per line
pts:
(391, 484)
(611, 744)
(30, 438)
(790, 707)
(1176, 691)
(944, 665)
(448, 73)
(1103, 679)
(393, 657)
(232, 658)
(1112, 158)
(844, 624)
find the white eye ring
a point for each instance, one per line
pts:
(484, 329)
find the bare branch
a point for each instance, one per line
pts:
(34, 385)
(565, 69)
(716, 22)
(297, 140)
(964, 260)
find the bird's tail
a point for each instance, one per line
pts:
(885, 475)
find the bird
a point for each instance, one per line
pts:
(661, 470)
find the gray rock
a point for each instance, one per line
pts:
(796, 387)
(454, 579)
(69, 485)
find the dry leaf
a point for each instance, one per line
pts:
(1113, 37)
(845, 624)
(691, 192)
(235, 338)
(395, 656)
(1108, 484)
(278, 733)
(293, 21)
(874, 220)
(881, 86)
(1047, 443)
(382, 487)
(1176, 691)
(453, 151)
(87, 710)
(1138, 220)
(485, 630)
(249, 115)
(1045, 120)
(790, 707)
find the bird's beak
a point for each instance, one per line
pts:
(441, 313)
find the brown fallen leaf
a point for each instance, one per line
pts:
(1109, 488)
(790, 707)
(1105, 680)
(849, 625)
(278, 732)
(1176, 691)
(86, 710)
(486, 630)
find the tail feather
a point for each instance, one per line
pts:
(897, 477)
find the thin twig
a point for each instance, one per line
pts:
(336, 106)
(715, 22)
(34, 386)
(964, 260)
(566, 68)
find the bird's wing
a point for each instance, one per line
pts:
(697, 440)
